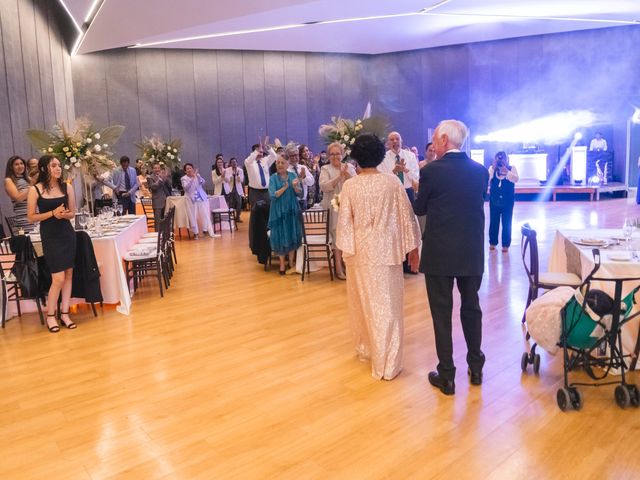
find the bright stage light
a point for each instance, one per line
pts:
(577, 136)
(635, 118)
(550, 130)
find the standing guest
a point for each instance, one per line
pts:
(598, 143)
(100, 199)
(429, 155)
(304, 156)
(451, 195)
(215, 162)
(32, 170)
(332, 178)
(198, 208)
(219, 178)
(324, 159)
(284, 215)
(16, 184)
(53, 204)
(140, 167)
(414, 150)
(502, 180)
(236, 180)
(302, 172)
(258, 171)
(159, 183)
(126, 183)
(376, 229)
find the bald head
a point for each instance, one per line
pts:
(449, 135)
(394, 141)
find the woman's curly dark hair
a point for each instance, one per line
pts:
(44, 176)
(368, 150)
(9, 171)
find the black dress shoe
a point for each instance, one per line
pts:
(475, 377)
(448, 387)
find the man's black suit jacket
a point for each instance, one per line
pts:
(451, 195)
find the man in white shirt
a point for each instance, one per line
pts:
(258, 172)
(306, 178)
(598, 143)
(236, 192)
(402, 163)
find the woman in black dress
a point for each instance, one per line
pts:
(56, 205)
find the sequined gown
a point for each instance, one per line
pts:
(376, 229)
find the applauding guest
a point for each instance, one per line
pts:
(197, 202)
(332, 178)
(236, 179)
(52, 204)
(16, 184)
(376, 229)
(32, 170)
(219, 178)
(258, 171)
(284, 215)
(159, 183)
(301, 171)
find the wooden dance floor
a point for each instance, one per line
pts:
(241, 374)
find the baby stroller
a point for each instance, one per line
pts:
(591, 337)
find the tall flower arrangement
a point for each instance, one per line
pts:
(154, 149)
(84, 149)
(345, 131)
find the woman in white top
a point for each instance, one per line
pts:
(220, 178)
(332, 178)
(197, 202)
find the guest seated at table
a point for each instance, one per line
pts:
(32, 170)
(159, 184)
(332, 178)
(16, 184)
(284, 215)
(502, 180)
(219, 178)
(236, 193)
(53, 204)
(126, 182)
(198, 208)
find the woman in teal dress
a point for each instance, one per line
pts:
(284, 214)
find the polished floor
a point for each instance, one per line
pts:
(241, 374)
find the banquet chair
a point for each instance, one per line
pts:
(316, 240)
(147, 208)
(538, 280)
(11, 291)
(138, 267)
(220, 212)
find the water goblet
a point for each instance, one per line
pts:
(627, 231)
(82, 221)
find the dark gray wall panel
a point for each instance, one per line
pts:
(152, 93)
(254, 97)
(316, 110)
(30, 61)
(205, 70)
(182, 107)
(91, 99)
(274, 92)
(295, 95)
(231, 98)
(334, 105)
(44, 63)
(58, 50)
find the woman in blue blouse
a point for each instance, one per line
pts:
(284, 214)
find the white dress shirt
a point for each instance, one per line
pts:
(598, 144)
(410, 161)
(239, 180)
(308, 179)
(221, 184)
(251, 162)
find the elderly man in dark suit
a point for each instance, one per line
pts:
(451, 195)
(159, 183)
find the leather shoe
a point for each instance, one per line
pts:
(475, 377)
(448, 387)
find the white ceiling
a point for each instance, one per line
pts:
(124, 23)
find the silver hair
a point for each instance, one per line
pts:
(455, 130)
(289, 149)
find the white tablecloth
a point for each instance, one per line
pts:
(180, 202)
(109, 252)
(566, 256)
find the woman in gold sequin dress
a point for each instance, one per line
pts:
(376, 229)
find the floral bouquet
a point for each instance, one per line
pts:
(154, 149)
(84, 149)
(335, 202)
(345, 131)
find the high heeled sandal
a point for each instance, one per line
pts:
(52, 328)
(70, 325)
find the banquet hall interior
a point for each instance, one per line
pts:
(205, 362)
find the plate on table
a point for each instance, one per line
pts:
(130, 216)
(620, 256)
(591, 242)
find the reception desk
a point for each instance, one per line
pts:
(532, 167)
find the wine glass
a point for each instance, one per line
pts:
(627, 231)
(119, 209)
(82, 221)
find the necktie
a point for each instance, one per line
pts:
(263, 180)
(400, 173)
(127, 181)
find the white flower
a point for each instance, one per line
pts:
(175, 150)
(346, 138)
(97, 148)
(352, 140)
(73, 159)
(97, 136)
(88, 140)
(104, 145)
(67, 167)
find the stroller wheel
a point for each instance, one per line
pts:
(634, 394)
(563, 399)
(576, 398)
(622, 396)
(524, 361)
(536, 363)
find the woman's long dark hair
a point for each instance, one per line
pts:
(220, 173)
(44, 177)
(9, 171)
